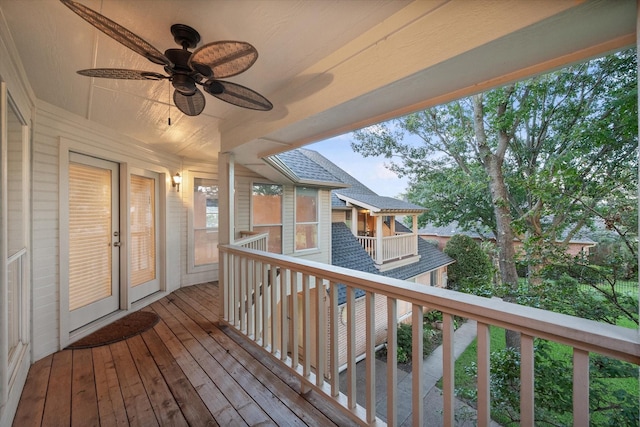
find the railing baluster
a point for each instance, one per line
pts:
(351, 348)
(285, 283)
(251, 299)
(321, 330)
(448, 366)
(484, 410)
(274, 308)
(392, 362)
(266, 292)
(371, 356)
(580, 387)
(527, 404)
(306, 327)
(295, 326)
(223, 290)
(257, 290)
(236, 291)
(243, 295)
(333, 336)
(417, 368)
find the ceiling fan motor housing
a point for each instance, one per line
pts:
(183, 78)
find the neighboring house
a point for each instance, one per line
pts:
(365, 236)
(93, 222)
(441, 235)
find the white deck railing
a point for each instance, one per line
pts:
(393, 247)
(253, 282)
(258, 242)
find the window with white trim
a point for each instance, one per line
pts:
(266, 213)
(306, 218)
(205, 221)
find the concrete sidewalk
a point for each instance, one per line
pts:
(433, 401)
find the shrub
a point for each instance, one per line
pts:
(472, 270)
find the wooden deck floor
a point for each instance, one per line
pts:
(184, 371)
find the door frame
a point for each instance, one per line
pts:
(66, 334)
(94, 149)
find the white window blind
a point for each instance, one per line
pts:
(89, 234)
(143, 230)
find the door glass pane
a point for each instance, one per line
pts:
(89, 234)
(143, 230)
(15, 191)
(205, 221)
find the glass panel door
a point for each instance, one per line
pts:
(143, 263)
(93, 239)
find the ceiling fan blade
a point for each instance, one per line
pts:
(191, 105)
(120, 73)
(118, 33)
(223, 58)
(237, 95)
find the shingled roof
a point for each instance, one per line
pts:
(309, 165)
(347, 252)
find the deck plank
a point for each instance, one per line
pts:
(139, 410)
(235, 394)
(31, 406)
(57, 408)
(84, 401)
(110, 402)
(192, 406)
(218, 405)
(164, 405)
(288, 405)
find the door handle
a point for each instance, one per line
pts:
(118, 244)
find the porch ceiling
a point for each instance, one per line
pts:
(328, 66)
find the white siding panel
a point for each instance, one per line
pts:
(52, 126)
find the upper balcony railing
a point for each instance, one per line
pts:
(393, 247)
(253, 284)
(257, 241)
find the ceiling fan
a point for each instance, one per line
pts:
(186, 70)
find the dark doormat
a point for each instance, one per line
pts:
(128, 326)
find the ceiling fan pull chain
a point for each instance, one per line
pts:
(169, 87)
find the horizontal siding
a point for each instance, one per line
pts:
(52, 126)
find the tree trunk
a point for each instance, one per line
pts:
(492, 162)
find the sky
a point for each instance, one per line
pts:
(368, 170)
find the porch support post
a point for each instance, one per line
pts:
(226, 179)
(226, 225)
(379, 250)
(415, 232)
(354, 220)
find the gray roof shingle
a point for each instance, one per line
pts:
(347, 252)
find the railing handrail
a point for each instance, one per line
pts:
(588, 335)
(250, 239)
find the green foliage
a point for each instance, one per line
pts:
(566, 143)
(431, 338)
(472, 271)
(613, 398)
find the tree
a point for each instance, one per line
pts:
(535, 161)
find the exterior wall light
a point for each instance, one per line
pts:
(176, 180)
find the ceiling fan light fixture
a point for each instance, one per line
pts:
(184, 84)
